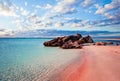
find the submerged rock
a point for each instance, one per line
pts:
(69, 42)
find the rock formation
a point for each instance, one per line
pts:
(69, 42)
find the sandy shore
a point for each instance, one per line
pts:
(99, 63)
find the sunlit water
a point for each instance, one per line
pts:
(28, 60)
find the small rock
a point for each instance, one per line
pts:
(100, 43)
(110, 43)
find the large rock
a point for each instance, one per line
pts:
(69, 42)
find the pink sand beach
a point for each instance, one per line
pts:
(98, 63)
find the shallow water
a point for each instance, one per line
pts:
(28, 60)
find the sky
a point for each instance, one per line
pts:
(84, 15)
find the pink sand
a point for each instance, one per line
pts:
(99, 63)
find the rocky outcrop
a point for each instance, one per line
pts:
(69, 42)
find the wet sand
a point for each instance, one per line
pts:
(99, 63)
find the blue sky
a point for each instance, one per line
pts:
(88, 15)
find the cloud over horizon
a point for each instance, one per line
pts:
(59, 14)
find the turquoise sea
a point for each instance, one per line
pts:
(26, 59)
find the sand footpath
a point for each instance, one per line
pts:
(99, 63)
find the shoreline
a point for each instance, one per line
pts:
(99, 63)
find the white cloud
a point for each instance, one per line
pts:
(100, 10)
(109, 16)
(88, 26)
(48, 6)
(62, 7)
(49, 22)
(77, 25)
(58, 24)
(87, 3)
(44, 23)
(33, 18)
(66, 6)
(21, 9)
(85, 22)
(25, 12)
(26, 3)
(6, 33)
(7, 10)
(112, 5)
(18, 22)
(34, 12)
(70, 1)
(110, 11)
(107, 7)
(64, 10)
(38, 6)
